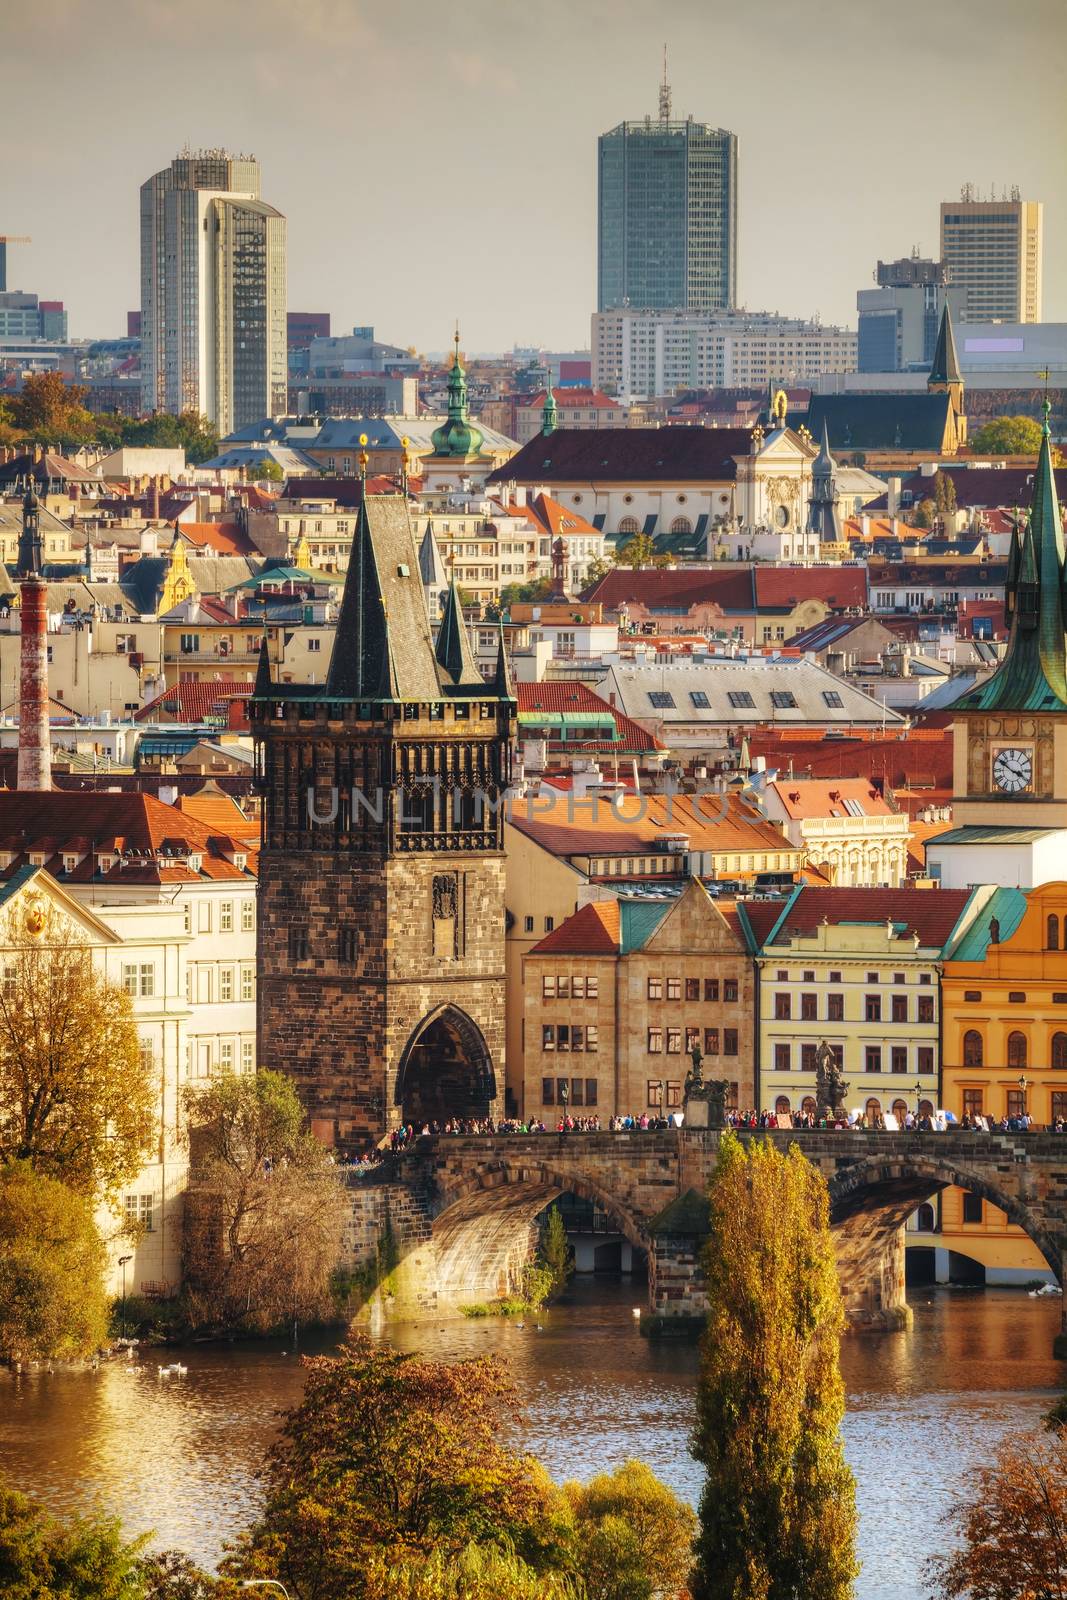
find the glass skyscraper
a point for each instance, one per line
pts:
(667, 215)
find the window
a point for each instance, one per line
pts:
(741, 700)
(972, 1207)
(592, 1041)
(973, 1052)
(729, 989)
(783, 1007)
(139, 978)
(783, 699)
(674, 1041)
(226, 1055)
(314, 645)
(898, 1058)
(899, 977)
(1058, 1056)
(655, 1092)
(832, 699)
(711, 1041)
(590, 1091)
(729, 1041)
(674, 988)
(226, 916)
(692, 1039)
(347, 945)
(925, 1012)
(655, 988)
(972, 1102)
(1017, 997)
(1016, 1102)
(781, 1106)
(925, 1220)
(139, 1211)
(899, 1008)
(655, 1041)
(548, 1036)
(225, 983)
(1016, 1050)
(298, 943)
(189, 643)
(629, 525)
(674, 1093)
(550, 923)
(563, 1038)
(528, 924)
(1052, 937)
(924, 1058)
(873, 1108)
(248, 916)
(872, 1058)
(592, 988)
(973, 995)
(711, 988)
(248, 983)
(248, 1054)
(548, 1091)
(872, 977)
(692, 988)
(782, 1058)
(699, 699)
(1059, 1105)
(187, 917)
(548, 988)
(808, 1053)
(835, 1008)
(809, 1007)
(662, 699)
(872, 1007)
(203, 917)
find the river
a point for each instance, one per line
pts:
(179, 1456)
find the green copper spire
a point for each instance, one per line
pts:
(457, 436)
(1033, 674)
(549, 411)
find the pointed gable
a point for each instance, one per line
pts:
(693, 924)
(455, 658)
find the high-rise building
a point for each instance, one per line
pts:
(667, 198)
(992, 249)
(898, 321)
(213, 333)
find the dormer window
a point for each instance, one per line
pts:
(240, 862)
(37, 858)
(69, 863)
(195, 863)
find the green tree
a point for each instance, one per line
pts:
(597, 569)
(279, 1199)
(1007, 436)
(265, 469)
(479, 1572)
(944, 491)
(524, 591)
(188, 431)
(389, 1455)
(77, 1099)
(636, 552)
(555, 1252)
(52, 1301)
(777, 1514)
(923, 514)
(633, 1537)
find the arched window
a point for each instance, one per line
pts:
(874, 1108)
(924, 1218)
(972, 1048)
(900, 1111)
(629, 525)
(1052, 933)
(925, 1108)
(681, 525)
(808, 1106)
(1059, 1052)
(1016, 1049)
(781, 1105)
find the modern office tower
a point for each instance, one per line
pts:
(992, 248)
(213, 333)
(898, 321)
(667, 214)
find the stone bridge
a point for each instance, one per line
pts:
(462, 1210)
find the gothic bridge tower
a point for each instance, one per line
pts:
(381, 877)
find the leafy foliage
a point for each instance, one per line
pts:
(188, 431)
(479, 1572)
(50, 411)
(536, 590)
(555, 1253)
(279, 1201)
(390, 1454)
(1013, 1527)
(944, 491)
(43, 1559)
(1007, 436)
(777, 1515)
(633, 1537)
(636, 552)
(52, 1301)
(76, 1099)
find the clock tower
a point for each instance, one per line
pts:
(1010, 733)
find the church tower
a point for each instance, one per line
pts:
(824, 518)
(1010, 733)
(945, 376)
(381, 890)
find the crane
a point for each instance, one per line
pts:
(5, 240)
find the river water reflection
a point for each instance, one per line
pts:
(180, 1455)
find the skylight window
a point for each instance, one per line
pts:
(662, 699)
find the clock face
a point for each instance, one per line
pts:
(1013, 770)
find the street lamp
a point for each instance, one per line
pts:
(918, 1099)
(122, 1263)
(263, 1583)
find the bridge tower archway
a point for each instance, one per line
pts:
(446, 1070)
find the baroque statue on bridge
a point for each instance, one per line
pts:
(830, 1087)
(705, 1100)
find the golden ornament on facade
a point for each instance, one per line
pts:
(35, 916)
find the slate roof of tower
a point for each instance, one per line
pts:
(627, 455)
(945, 367)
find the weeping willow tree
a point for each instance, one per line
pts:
(777, 1515)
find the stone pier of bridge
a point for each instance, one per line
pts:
(453, 1220)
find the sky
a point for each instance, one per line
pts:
(437, 160)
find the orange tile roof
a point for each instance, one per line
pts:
(135, 826)
(566, 826)
(806, 798)
(593, 930)
(219, 812)
(224, 538)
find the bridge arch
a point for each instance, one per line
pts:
(484, 1229)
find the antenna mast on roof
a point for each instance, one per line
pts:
(664, 93)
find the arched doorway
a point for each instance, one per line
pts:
(446, 1070)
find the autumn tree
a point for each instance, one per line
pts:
(777, 1514)
(77, 1099)
(1007, 436)
(390, 1456)
(633, 1536)
(51, 411)
(924, 513)
(597, 569)
(278, 1200)
(478, 1572)
(555, 1252)
(52, 1301)
(637, 551)
(1012, 1526)
(944, 491)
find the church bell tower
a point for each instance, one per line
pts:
(381, 888)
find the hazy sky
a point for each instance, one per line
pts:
(438, 159)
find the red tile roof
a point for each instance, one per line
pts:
(922, 758)
(574, 698)
(585, 398)
(193, 701)
(556, 520)
(806, 798)
(781, 588)
(662, 588)
(628, 455)
(224, 538)
(931, 913)
(592, 931)
(591, 825)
